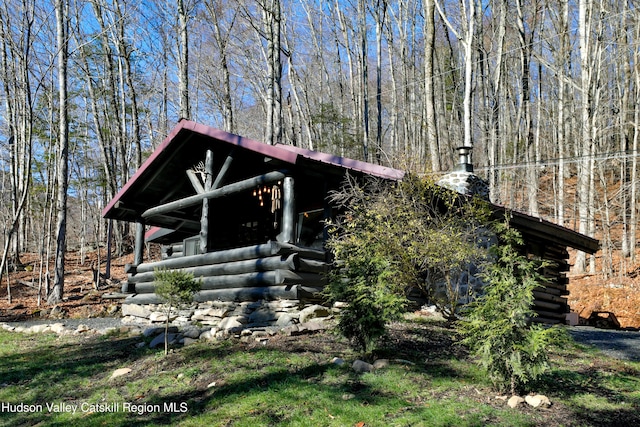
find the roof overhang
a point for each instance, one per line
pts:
(548, 231)
(163, 176)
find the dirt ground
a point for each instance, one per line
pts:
(81, 298)
(619, 294)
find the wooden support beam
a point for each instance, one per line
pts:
(287, 232)
(223, 171)
(195, 182)
(190, 223)
(139, 244)
(204, 218)
(226, 190)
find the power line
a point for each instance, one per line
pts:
(557, 161)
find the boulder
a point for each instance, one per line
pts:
(120, 372)
(360, 366)
(159, 340)
(514, 401)
(262, 316)
(381, 363)
(231, 323)
(313, 312)
(135, 310)
(538, 400)
(284, 320)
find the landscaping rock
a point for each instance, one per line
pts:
(158, 330)
(120, 372)
(157, 316)
(191, 332)
(284, 320)
(313, 312)
(232, 323)
(207, 335)
(290, 330)
(159, 340)
(314, 326)
(381, 363)
(360, 366)
(58, 328)
(135, 310)
(188, 341)
(514, 401)
(538, 400)
(262, 316)
(337, 361)
(37, 329)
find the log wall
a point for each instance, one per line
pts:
(268, 271)
(550, 300)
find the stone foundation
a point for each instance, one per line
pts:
(219, 317)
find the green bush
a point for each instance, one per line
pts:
(392, 239)
(498, 328)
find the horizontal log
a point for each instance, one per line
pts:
(312, 266)
(237, 254)
(276, 262)
(265, 278)
(556, 283)
(541, 295)
(178, 247)
(304, 252)
(548, 321)
(226, 190)
(299, 278)
(239, 294)
(549, 305)
(173, 255)
(551, 315)
(554, 291)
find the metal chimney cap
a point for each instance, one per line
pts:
(464, 160)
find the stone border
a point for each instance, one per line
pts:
(214, 320)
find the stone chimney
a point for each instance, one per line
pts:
(462, 179)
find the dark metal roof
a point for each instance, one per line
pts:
(547, 231)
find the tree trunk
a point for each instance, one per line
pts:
(63, 153)
(429, 94)
(183, 62)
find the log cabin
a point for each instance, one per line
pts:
(247, 218)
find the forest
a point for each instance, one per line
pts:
(547, 93)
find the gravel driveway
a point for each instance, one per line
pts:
(624, 345)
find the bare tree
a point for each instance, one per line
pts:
(62, 13)
(429, 94)
(183, 62)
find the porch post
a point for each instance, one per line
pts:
(287, 233)
(139, 244)
(204, 219)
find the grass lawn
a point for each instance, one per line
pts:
(291, 381)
